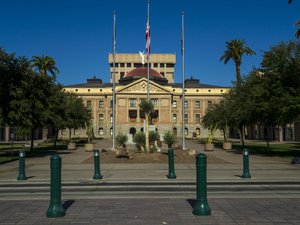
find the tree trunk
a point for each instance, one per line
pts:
(267, 137)
(31, 142)
(238, 73)
(147, 132)
(242, 136)
(55, 138)
(70, 134)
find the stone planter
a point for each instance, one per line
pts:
(89, 147)
(227, 146)
(209, 147)
(72, 146)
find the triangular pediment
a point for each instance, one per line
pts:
(140, 87)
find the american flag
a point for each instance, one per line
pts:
(148, 38)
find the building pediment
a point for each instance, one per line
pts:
(140, 87)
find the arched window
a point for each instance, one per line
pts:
(132, 131)
(186, 132)
(198, 131)
(111, 131)
(175, 131)
(100, 131)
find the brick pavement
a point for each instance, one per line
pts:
(154, 212)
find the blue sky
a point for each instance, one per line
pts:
(78, 33)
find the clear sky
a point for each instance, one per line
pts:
(78, 33)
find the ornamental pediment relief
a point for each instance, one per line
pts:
(141, 87)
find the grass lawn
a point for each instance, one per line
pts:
(276, 149)
(42, 149)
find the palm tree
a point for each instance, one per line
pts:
(235, 49)
(297, 33)
(147, 107)
(45, 64)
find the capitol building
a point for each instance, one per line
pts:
(131, 89)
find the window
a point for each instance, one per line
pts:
(128, 64)
(111, 131)
(170, 65)
(132, 103)
(111, 104)
(155, 102)
(186, 132)
(101, 118)
(121, 64)
(174, 118)
(101, 104)
(101, 133)
(197, 118)
(89, 104)
(162, 65)
(175, 131)
(111, 118)
(198, 131)
(155, 65)
(137, 65)
(186, 118)
(186, 104)
(209, 104)
(197, 104)
(174, 104)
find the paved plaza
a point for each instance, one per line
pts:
(271, 196)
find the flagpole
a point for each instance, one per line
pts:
(183, 84)
(148, 55)
(114, 82)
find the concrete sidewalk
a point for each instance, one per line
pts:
(113, 210)
(262, 168)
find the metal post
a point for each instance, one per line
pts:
(201, 207)
(114, 82)
(55, 208)
(183, 84)
(21, 175)
(246, 172)
(171, 174)
(97, 173)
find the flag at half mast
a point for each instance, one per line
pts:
(148, 38)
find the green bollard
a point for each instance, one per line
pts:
(201, 207)
(97, 174)
(246, 173)
(21, 175)
(171, 174)
(55, 208)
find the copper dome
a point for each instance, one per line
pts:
(142, 72)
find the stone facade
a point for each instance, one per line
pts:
(167, 98)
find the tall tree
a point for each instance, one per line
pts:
(297, 24)
(147, 106)
(45, 65)
(235, 49)
(13, 73)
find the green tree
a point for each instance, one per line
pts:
(45, 65)
(297, 24)
(146, 106)
(14, 72)
(235, 49)
(219, 115)
(77, 115)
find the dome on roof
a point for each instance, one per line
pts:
(142, 72)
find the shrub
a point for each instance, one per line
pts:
(121, 139)
(139, 140)
(169, 139)
(153, 136)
